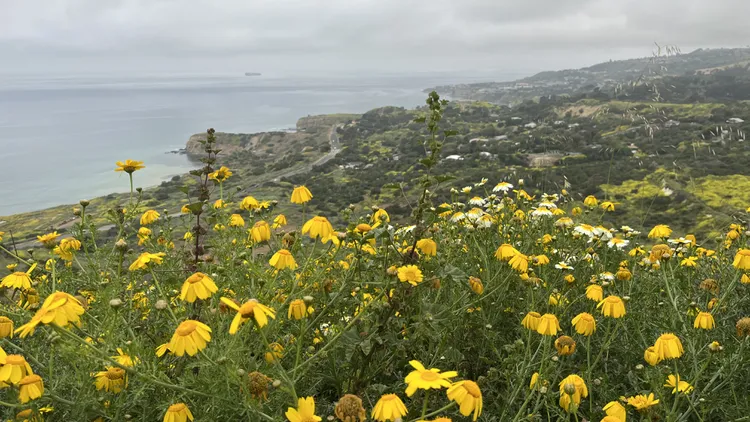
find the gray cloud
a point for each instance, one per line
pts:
(300, 35)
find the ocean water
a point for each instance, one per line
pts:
(61, 135)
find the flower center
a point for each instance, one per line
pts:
(115, 374)
(429, 376)
(14, 360)
(177, 408)
(247, 310)
(472, 388)
(186, 328)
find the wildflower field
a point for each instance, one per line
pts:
(499, 305)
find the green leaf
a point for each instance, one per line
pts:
(450, 132)
(455, 273)
(366, 346)
(444, 178)
(196, 208)
(421, 119)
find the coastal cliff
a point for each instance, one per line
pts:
(268, 143)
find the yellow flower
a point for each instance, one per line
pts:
(519, 262)
(318, 226)
(704, 320)
(572, 390)
(612, 306)
(250, 309)
(146, 258)
(380, 216)
(660, 231)
(742, 260)
(548, 325)
(300, 195)
(565, 345)
(468, 396)
(595, 292)
(668, 346)
(149, 217)
(534, 380)
(190, 337)
(249, 203)
(584, 323)
(197, 286)
(6, 327)
(557, 299)
(279, 221)
(298, 309)
(59, 308)
(616, 410)
(236, 220)
(219, 204)
(505, 252)
(427, 246)
(31, 387)
(590, 201)
(531, 321)
(113, 380)
(623, 274)
(608, 206)
(124, 359)
(276, 352)
(389, 408)
(426, 379)
(49, 239)
(476, 285)
(690, 262)
(305, 411)
(651, 356)
(14, 369)
(129, 166)
(642, 402)
(411, 274)
(261, 232)
(18, 280)
(541, 260)
(283, 259)
(678, 385)
(221, 175)
(143, 235)
(178, 412)
(185, 209)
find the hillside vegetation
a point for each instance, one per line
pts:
(480, 289)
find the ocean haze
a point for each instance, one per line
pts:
(61, 135)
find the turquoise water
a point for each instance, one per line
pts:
(60, 136)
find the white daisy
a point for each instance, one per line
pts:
(502, 187)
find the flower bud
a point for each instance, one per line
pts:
(160, 304)
(276, 383)
(84, 203)
(569, 389)
(115, 303)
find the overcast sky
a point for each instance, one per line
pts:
(297, 36)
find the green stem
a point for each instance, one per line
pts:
(161, 292)
(425, 403)
(29, 263)
(282, 371)
(435, 413)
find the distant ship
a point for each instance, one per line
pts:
(252, 74)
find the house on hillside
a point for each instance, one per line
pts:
(735, 120)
